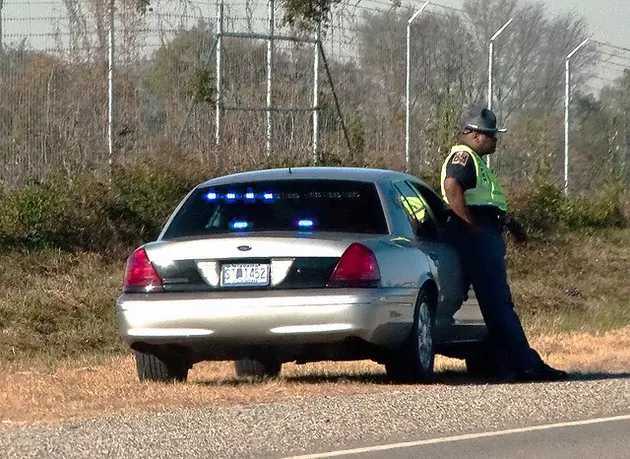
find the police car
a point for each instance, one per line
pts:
(300, 264)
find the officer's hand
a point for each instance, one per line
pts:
(516, 229)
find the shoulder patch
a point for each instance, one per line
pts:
(460, 158)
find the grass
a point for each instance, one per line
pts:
(88, 388)
(61, 357)
(57, 306)
(573, 281)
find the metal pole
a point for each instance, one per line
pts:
(218, 76)
(270, 52)
(491, 66)
(408, 85)
(315, 156)
(567, 102)
(1, 33)
(567, 95)
(110, 92)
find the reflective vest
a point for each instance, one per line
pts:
(487, 192)
(414, 207)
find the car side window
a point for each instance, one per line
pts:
(435, 202)
(417, 210)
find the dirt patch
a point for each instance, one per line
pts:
(40, 396)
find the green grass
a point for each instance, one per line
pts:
(572, 281)
(57, 306)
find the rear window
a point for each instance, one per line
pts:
(300, 205)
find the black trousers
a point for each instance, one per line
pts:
(483, 260)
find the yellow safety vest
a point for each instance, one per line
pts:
(415, 207)
(487, 192)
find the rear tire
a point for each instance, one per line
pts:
(160, 369)
(413, 362)
(257, 368)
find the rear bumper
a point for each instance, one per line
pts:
(378, 316)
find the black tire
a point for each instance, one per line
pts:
(159, 369)
(413, 362)
(257, 368)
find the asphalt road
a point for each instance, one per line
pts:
(327, 424)
(601, 438)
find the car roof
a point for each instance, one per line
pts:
(304, 173)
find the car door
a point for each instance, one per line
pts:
(448, 273)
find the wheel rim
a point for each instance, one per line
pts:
(425, 336)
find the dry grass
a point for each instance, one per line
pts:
(56, 306)
(60, 351)
(573, 281)
(87, 390)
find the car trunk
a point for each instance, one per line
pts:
(270, 261)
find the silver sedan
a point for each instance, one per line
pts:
(302, 264)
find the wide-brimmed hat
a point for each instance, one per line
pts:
(480, 119)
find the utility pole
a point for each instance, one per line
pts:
(567, 102)
(408, 95)
(491, 65)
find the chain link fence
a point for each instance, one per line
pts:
(54, 87)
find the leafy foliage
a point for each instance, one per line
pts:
(307, 14)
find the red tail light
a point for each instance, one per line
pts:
(140, 273)
(358, 263)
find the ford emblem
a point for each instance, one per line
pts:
(244, 248)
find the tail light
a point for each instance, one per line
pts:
(357, 264)
(140, 275)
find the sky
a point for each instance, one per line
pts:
(608, 19)
(608, 22)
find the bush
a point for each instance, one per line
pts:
(142, 198)
(62, 214)
(84, 214)
(544, 207)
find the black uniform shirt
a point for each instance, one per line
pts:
(461, 167)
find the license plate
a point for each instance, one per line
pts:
(239, 275)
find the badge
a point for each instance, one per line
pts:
(460, 158)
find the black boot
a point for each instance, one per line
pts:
(542, 373)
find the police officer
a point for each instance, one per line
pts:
(478, 214)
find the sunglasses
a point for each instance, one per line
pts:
(490, 135)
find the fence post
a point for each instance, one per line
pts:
(1, 33)
(270, 52)
(218, 69)
(318, 37)
(110, 91)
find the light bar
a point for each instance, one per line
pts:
(239, 225)
(305, 223)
